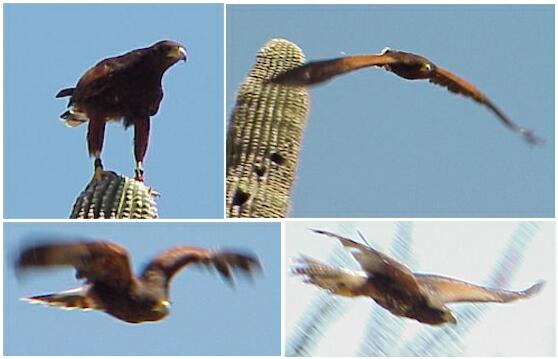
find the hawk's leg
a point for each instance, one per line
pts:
(98, 169)
(95, 138)
(141, 140)
(138, 172)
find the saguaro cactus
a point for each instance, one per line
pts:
(264, 136)
(115, 196)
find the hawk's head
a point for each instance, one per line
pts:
(172, 51)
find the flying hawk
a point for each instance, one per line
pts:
(404, 64)
(394, 287)
(127, 88)
(110, 285)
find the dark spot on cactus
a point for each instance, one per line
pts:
(240, 197)
(260, 170)
(277, 158)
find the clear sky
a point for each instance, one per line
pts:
(397, 148)
(207, 316)
(464, 250)
(48, 47)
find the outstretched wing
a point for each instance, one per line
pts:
(449, 290)
(377, 263)
(456, 84)
(316, 72)
(98, 261)
(163, 267)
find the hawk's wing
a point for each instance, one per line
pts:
(98, 261)
(317, 72)
(449, 290)
(165, 265)
(103, 74)
(460, 86)
(374, 262)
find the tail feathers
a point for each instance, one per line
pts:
(72, 299)
(73, 119)
(65, 92)
(336, 280)
(307, 266)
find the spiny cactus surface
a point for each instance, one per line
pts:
(264, 136)
(115, 197)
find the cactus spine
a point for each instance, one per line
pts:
(264, 136)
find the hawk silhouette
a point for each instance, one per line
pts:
(110, 285)
(127, 88)
(393, 286)
(404, 64)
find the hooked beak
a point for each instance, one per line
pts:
(183, 55)
(162, 306)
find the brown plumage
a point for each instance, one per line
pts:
(127, 88)
(403, 64)
(110, 285)
(396, 288)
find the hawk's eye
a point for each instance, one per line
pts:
(427, 67)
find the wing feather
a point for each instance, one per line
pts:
(449, 290)
(316, 72)
(374, 262)
(101, 76)
(460, 86)
(97, 261)
(165, 265)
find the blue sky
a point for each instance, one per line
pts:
(48, 47)
(207, 316)
(467, 250)
(397, 148)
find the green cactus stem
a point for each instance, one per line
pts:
(264, 136)
(115, 197)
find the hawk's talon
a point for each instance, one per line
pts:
(98, 170)
(139, 174)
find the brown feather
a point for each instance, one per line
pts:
(375, 262)
(458, 85)
(317, 72)
(449, 290)
(141, 137)
(100, 261)
(165, 265)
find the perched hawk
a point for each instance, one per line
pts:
(126, 87)
(393, 286)
(110, 285)
(403, 64)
